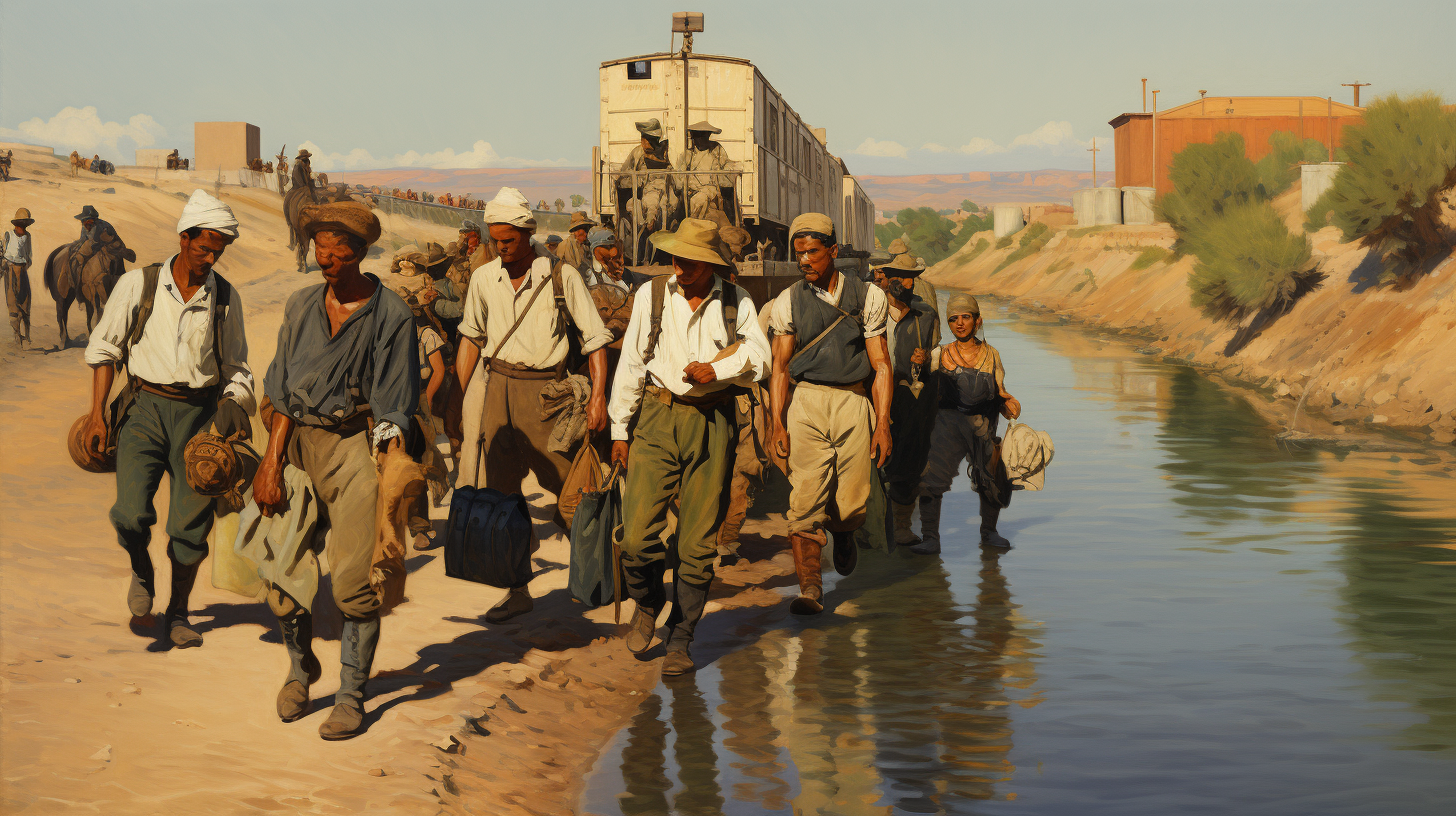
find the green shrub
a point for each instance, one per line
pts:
(1033, 238)
(1148, 257)
(1003, 242)
(1278, 170)
(981, 246)
(1208, 179)
(1321, 213)
(1080, 231)
(1402, 157)
(1248, 260)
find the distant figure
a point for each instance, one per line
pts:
(706, 191)
(552, 242)
(303, 173)
(574, 251)
(654, 196)
(560, 205)
(97, 237)
(76, 163)
(174, 162)
(6, 159)
(323, 179)
(282, 158)
(541, 205)
(15, 258)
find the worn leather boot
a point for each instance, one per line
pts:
(179, 631)
(687, 609)
(808, 567)
(143, 588)
(516, 602)
(642, 629)
(989, 537)
(904, 536)
(356, 654)
(929, 527)
(846, 552)
(304, 669)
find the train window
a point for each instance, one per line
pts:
(641, 69)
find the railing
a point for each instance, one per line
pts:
(666, 206)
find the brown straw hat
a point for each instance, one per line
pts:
(344, 216)
(76, 447)
(902, 266)
(696, 239)
(22, 218)
(580, 220)
(216, 465)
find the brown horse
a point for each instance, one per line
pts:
(92, 286)
(293, 204)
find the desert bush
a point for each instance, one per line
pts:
(1248, 260)
(1033, 238)
(1402, 158)
(1321, 213)
(1278, 170)
(1208, 179)
(1149, 256)
(1003, 242)
(981, 246)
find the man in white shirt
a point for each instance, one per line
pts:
(829, 341)
(187, 360)
(516, 316)
(15, 260)
(682, 367)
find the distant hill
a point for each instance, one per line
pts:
(941, 190)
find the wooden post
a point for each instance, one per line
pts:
(1155, 143)
(1145, 94)
(1202, 106)
(1093, 151)
(1330, 129)
(1357, 85)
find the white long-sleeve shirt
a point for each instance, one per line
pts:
(17, 247)
(176, 345)
(688, 336)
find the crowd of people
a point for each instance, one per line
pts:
(677, 378)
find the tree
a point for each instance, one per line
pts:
(577, 201)
(969, 206)
(560, 205)
(1249, 261)
(1207, 180)
(1278, 170)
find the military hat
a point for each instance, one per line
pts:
(903, 266)
(88, 212)
(703, 127)
(580, 220)
(602, 238)
(435, 255)
(696, 239)
(651, 127)
(22, 218)
(735, 237)
(302, 154)
(344, 216)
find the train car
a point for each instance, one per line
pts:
(784, 165)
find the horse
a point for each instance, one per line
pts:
(293, 204)
(92, 286)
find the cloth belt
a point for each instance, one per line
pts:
(716, 398)
(854, 387)
(517, 372)
(175, 392)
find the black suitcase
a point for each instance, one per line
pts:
(488, 538)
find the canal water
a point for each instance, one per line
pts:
(1195, 618)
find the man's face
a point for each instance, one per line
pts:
(610, 258)
(701, 139)
(513, 244)
(334, 255)
(816, 261)
(203, 251)
(19, 229)
(88, 223)
(649, 145)
(472, 240)
(579, 234)
(691, 273)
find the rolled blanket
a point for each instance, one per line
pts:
(566, 400)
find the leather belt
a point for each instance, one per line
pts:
(716, 398)
(177, 393)
(517, 372)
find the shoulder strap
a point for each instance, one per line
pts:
(219, 313)
(654, 331)
(731, 296)
(516, 325)
(150, 274)
(558, 290)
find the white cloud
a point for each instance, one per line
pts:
(932, 147)
(1056, 138)
(480, 155)
(873, 147)
(1053, 135)
(82, 129)
(979, 145)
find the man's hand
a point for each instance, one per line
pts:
(619, 453)
(96, 433)
(596, 414)
(699, 373)
(268, 487)
(428, 295)
(231, 419)
(1011, 408)
(919, 357)
(880, 444)
(780, 440)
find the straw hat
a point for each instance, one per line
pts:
(435, 255)
(580, 220)
(345, 216)
(898, 247)
(696, 239)
(703, 127)
(22, 218)
(903, 266)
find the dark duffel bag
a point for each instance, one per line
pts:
(488, 538)
(878, 532)
(595, 578)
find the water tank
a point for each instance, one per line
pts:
(1107, 205)
(1082, 207)
(1314, 179)
(1137, 205)
(1006, 219)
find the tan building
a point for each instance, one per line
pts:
(226, 146)
(152, 156)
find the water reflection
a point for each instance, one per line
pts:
(902, 708)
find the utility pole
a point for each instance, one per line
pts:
(1093, 151)
(1201, 109)
(1154, 156)
(1145, 94)
(1357, 85)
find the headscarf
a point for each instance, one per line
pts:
(510, 207)
(602, 238)
(205, 211)
(962, 304)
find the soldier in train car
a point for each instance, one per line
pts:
(655, 198)
(707, 192)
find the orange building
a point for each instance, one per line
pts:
(1145, 146)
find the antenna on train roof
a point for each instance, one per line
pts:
(687, 23)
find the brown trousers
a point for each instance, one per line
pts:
(513, 436)
(17, 297)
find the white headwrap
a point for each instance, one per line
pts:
(204, 211)
(510, 207)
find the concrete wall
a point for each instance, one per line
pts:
(152, 157)
(225, 146)
(1314, 180)
(1006, 219)
(1137, 206)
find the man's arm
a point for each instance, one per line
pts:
(473, 323)
(396, 392)
(627, 384)
(594, 338)
(236, 376)
(882, 392)
(268, 482)
(778, 391)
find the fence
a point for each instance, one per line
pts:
(546, 221)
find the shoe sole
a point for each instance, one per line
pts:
(805, 606)
(339, 737)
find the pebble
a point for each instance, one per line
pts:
(104, 754)
(73, 680)
(449, 744)
(376, 772)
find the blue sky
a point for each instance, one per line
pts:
(902, 87)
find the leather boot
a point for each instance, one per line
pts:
(303, 670)
(989, 537)
(904, 536)
(845, 553)
(516, 602)
(179, 631)
(642, 628)
(929, 527)
(143, 583)
(687, 609)
(356, 654)
(809, 569)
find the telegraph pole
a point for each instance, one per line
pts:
(1357, 86)
(1145, 94)
(1093, 151)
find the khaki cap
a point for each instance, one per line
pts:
(898, 247)
(696, 239)
(962, 304)
(651, 127)
(903, 266)
(344, 216)
(811, 222)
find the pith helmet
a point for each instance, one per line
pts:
(580, 220)
(22, 218)
(898, 247)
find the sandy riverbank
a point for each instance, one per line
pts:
(102, 719)
(1354, 352)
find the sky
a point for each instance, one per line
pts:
(903, 87)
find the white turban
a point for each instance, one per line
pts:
(204, 211)
(510, 207)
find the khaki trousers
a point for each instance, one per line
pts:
(17, 297)
(513, 436)
(830, 430)
(746, 469)
(346, 481)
